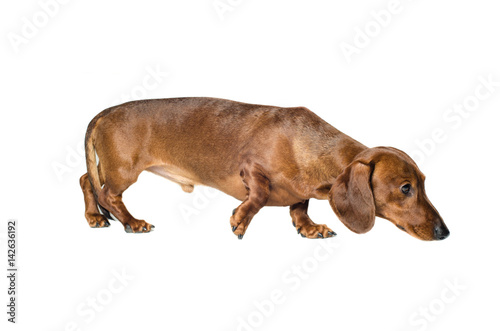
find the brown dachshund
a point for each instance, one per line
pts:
(261, 155)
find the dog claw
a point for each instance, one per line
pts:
(298, 230)
(234, 228)
(320, 235)
(293, 224)
(331, 233)
(234, 211)
(107, 223)
(303, 236)
(144, 229)
(240, 236)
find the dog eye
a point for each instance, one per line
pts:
(406, 188)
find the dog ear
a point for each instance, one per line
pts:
(351, 197)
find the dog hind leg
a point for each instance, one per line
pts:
(110, 198)
(92, 214)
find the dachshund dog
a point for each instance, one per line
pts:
(261, 155)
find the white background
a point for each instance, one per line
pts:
(192, 273)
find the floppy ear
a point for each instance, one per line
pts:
(351, 197)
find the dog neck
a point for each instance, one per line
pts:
(336, 154)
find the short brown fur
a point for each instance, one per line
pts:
(261, 155)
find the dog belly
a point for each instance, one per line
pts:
(175, 175)
(231, 185)
(283, 197)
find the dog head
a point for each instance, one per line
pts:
(385, 182)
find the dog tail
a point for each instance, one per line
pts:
(90, 155)
(92, 159)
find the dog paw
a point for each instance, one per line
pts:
(97, 221)
(240, 228)
(314, 231)
(138, 226)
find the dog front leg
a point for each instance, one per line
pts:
(258, 190)
(305, 226)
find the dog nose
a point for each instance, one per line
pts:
(441, 232)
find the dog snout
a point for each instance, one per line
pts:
(441, 232)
